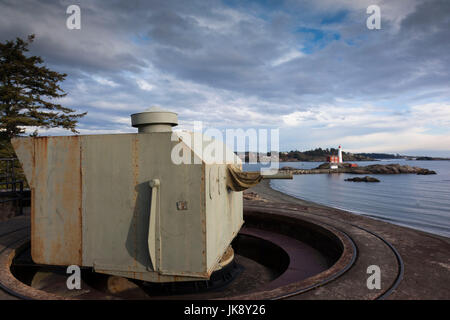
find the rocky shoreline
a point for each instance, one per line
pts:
(371, 169)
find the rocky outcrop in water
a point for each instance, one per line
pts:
(431, 158)
(363, 179)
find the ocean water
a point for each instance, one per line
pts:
(416, 201)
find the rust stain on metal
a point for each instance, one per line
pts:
(37, 242)
(57, 198)
(71, 199)
(135, 166)
(203, 215)
(33, 169)
(80, 206)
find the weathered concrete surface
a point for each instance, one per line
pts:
(426, 257)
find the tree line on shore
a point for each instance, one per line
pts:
(321, 155)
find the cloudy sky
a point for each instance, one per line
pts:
(310, 68)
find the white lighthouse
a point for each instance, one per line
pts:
(340, 154)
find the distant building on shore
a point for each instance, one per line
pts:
(336, 159)
(333, 159)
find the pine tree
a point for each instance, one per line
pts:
(27, 94)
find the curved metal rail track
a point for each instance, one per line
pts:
(8, 246)
(381, 296)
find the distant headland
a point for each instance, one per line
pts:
(320, 155)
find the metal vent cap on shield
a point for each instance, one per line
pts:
(154, 119)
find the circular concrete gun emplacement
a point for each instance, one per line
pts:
(276, 256)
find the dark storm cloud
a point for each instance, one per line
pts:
(125, 36)
(228, 61)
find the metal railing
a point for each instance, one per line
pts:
(11, 185)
